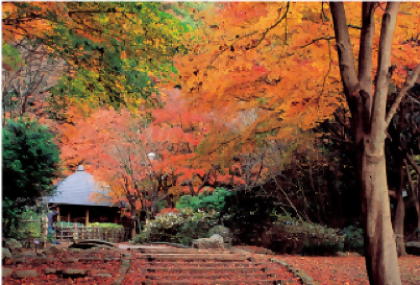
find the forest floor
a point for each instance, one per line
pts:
(104, 266)
(350, 270)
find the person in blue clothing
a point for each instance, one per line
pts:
(50, 216)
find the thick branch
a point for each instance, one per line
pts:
(345, 52)
(384, 74)
(366, 40)
(409, 82)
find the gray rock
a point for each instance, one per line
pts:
(28, 254)
(39, 260)
(5, 252)
(52, 250)
(413, 247)
(11, 243)
(75, 272)
(220, 230)
(102, 275)
(213, 242)
(16, 250)
(39, 254)
(48, 271)
(20, 260)
(6, 272)
(24, 273)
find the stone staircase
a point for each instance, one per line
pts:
(168, 265)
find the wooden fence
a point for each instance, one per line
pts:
(77, 232)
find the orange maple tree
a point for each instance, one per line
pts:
(278, 59)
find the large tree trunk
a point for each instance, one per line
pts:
(380, 253)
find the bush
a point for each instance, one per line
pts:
(291, 235)
(207, 200)
(353, 239)
(181, 227)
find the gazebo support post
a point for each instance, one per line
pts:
(58, 213)
(87, 217)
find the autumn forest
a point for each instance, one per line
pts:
(299, 111)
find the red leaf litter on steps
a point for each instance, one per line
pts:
(139, 272)
(349, 270)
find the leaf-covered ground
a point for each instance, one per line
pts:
(349, 270)
(98, 261)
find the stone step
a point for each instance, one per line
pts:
(213, 282)
(184, 269)
(159, 277)
(183, 250)
(224, 257)
(212, 264)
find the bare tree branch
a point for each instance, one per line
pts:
(409, 82)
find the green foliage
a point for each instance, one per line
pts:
(214, 200)
(124, 44)
(206, 200)
(30, 161)
(11, 55)
(90, 225)
(23, 222)
(181, 227)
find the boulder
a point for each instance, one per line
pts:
(28, 255)
(6, 272)
(5, 252)
(48, 271)
(213, 242)
(16, 250)
(220, 230)
(75, 273)
(52, 250)
(24, 274)
(11, 243)
(413, 247)
(102, 275)
(39, 260)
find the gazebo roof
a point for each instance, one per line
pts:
(78, 189)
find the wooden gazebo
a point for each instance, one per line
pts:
(76, 203)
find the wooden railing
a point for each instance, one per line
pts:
(76, 232)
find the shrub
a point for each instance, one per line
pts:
(297, 236)
(207, 200)
(181, 227)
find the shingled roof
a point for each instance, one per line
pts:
(78, 189)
